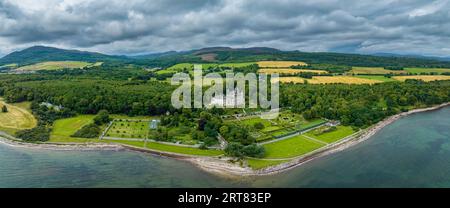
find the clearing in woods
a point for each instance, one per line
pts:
(17, 118)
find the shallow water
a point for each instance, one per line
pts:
(412, 152)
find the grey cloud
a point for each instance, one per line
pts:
(137, 26)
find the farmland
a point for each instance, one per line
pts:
(280, 64)
(64, 128)
(57, 65)
(17, 118)
(427, 70)
(377, 77)
(375, 70)
(290, 71)
(425, 78)
(330, 80)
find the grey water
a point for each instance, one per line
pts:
(412, 152)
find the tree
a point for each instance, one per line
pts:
(4, 109)
(102, 117)
(258, 125)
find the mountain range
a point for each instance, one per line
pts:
(38, 54)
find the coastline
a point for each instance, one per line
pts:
(221, 165)
(214, 166)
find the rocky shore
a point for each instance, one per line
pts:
(221, 165)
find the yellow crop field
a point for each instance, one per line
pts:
(329, 80)
(375, 70)
(56, 65)
(290, 71)
(425, 78)
(280, 64)
(17, 117)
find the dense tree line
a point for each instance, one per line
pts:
(362, 105)
(90, 96)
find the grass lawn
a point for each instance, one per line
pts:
(18, 117)
(292, 147)
(312, 124)
(426, 70)
(172, 148)
(375, 77)
(257, 164)
(330, 137)
(63, 128)
(252, 121)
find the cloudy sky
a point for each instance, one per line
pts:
(138, 26)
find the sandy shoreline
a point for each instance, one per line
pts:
(221, 165)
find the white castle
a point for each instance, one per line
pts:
(235, 98)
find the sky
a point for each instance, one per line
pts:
(419, 27)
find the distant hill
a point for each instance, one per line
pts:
(37, 54)
(226, 54)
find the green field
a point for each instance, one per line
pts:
(427, 70)
(379, 78)
(268, 126)
(333, 136)
(64, 128)
(257, 164)
(18, 117)
(375, 70)
(57, 65)
(171, 148)
(292, 147)
(129, 129)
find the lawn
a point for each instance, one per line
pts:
(280, 64)
(426, 78)
(64, 128)
(375, 77)
(257, 164)
(333, 136)
(171, 148)
(268, 126)
(312, 124)
(427, 70)
(56, 65)
(375, 70)
(17, 118)
(292, 147)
